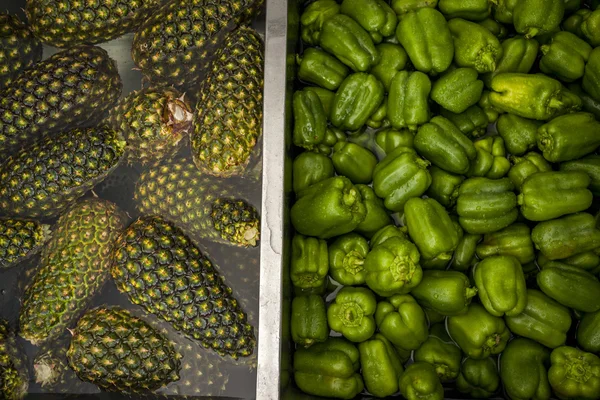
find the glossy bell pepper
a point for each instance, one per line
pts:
(351, 314)
(441, 352)
(380, 365)
(387, 232)
(402, 174)
(588, 103)
(405, 6)
(326, 97)
(356, 100)
(474, 46)
(487, 107)
(588, 261)
(457, 90)
(574, 373)
(310, 168)
(379, 118)
(565, 56)
(447, 292)
(393, 267)
(523, 370)
(573, 22)
(321, 68)
(408, 100)
(444, 186)
(570, 286)
(473, 122)
(425, 36)
(329, 369)
(569, 137)
(514, 240)
(310, 121)
(376, 217)
(349, 42)
(544, 320)
(478, 378)
(347, 258)
(420, 381)
(402, 321)
(393, 58)
(329, 208)
(591, 166)
(537, 17)
(590, 28)
(472, 10)
(478, 333)
(389, 140)
(504, 10)
(518, 55)
(309, 320)
(313, 17)
(519, 133)
(310, 262)
(525, 166)
(354, 162)
(375, 16)
(464, 255)
(442, 143)
(495, 27)
(486, 205)
(591, 76)
(588, 332)
(491, 161)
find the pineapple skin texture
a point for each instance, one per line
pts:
(66, 23)
(42, 180)
(14, 379)
(121, 353)
(20, 239)
(74, 266)
(19, 49)
(228, 116)
(70, 89)
(176, 43)
(159, 268)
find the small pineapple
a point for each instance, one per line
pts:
(153, 121)
(158, 267)
(20, 239)
(235, 220)
(14, 379)
(122, 353)
(19, 49)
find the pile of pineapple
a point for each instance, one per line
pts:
(64, 129)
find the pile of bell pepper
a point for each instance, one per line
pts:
(446, 234)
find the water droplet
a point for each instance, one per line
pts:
(2, 292)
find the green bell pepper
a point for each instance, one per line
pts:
(402, 174)
(402, 321)
(310, 262)
(588, 332)
(491, 161)
(588, 103)
(474, 46)
(447, 292)
(523, 370)
(544, 320)
(349, 42)
(313, 17)
(310, 168)
(590, 28)
(329, 208)
(329, 369)
(405, 6)
(420, 382)
(387, 232)
(351, 314)
(309, 320)
(587, 260)
(375, 16)
(495, 27)
(444, 186)
(570, 286)
(478, 378)
(523, 167)
(393, 267)
(356, 100)
(381, 366)
(537, 17)
(389, 140)
(379, 118)
(478, 333)
(569, 137)
(321, 68)
(504, 10)
(573, 22)
(326, 97)
(442, 143)
(441, 352)
(457, 90)
(377, 216)
(486, 205)
(591, 76)
(514, 240)
(425, 36)
(354, 162)
(310, 121)
(519, 133)
(518, 55)
(434, 317)
(431, 229)
(347, 258)
(487, 107)
(473, 122)
(408, 100)
(472, 10)
(464, 255)
(393, 58)
(549, 195)
(589, 165)
(565, 56)
(574, 373)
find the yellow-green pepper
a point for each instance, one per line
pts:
(574, 373)
(514, 240)
(310, 263)
(588, 332)
(474, 46)
(358, 97)
(565, 56)
(313, 17)
(447, 292)
(376, 215)
(478, 378)
(490, 161)
(354, 162)
(523, 370)
(519, 133)
(321, 68)
(472, 10)
(347, 258)
(375, 16)
(464, 255)
(402, 321)
(441, 352)
(518, 55)
(558, 143)
(420, 381)
(473, 122)
(570, 286)
(523, 167)
(380, 365)
(457, 89)
(444, 186)
(408, 97)
(351, 314)
(309, 320)
(393, 58)
(537, 17)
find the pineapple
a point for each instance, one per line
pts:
(153, 121)
(19, 49)
(66, 23)
(121, 353)
(73, 268)
(176, 43)
(44, 178)
(158, 267)
(20, 239)
(228, 116)
(70, 89)
(14, 380)
(206, 208)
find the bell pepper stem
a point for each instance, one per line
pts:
(470, 292)
(531, 32)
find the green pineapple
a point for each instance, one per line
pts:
(154, 123)
(20, 239)
(158, 267)
(176, 43)
(228, 117)
(19, 49)
(44, 178)
(70, 89)
(14, 379)
(73, 268)
(119, 352)
(206, 208)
